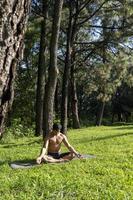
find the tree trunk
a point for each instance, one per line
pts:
(41, 71)
(66, 74)
(100, 114)
(53, 70)
(13, 19)
(102, 104)
(74, 100)
(57, 100)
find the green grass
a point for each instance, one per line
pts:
(109, 176)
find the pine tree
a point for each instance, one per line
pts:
(13, 20)
(53, 70)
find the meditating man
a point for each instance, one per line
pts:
(51, 148)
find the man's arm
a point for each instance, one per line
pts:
(71, 149)
(43, 151)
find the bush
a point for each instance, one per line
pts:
(17, 130)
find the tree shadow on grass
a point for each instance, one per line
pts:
(2, 162)
(124, 128)
(86, 140)
(10, 145)
(121, 124)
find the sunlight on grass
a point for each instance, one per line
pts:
(108, 176)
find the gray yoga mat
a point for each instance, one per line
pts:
(23, 164)
(32, 163)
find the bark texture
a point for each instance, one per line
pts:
(53, 70)
(13, 19)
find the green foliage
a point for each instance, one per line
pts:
(105, 78)
(101, 34)
(108, 176)
(17, 130)
(24, 102)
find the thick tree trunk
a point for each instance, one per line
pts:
(41, 71)
(74, 100)
(53, 70)
(13, 19)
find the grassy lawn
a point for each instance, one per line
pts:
(109, 176)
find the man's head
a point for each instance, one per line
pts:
(56, 127)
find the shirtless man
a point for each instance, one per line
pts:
(51, 148)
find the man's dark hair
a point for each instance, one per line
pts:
(57, 127)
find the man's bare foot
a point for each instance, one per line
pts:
(63, 160)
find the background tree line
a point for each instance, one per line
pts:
(77, 64)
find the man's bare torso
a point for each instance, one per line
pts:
(55, 141)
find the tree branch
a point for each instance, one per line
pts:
(79, 10)
(62, 60)
(79, 24)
